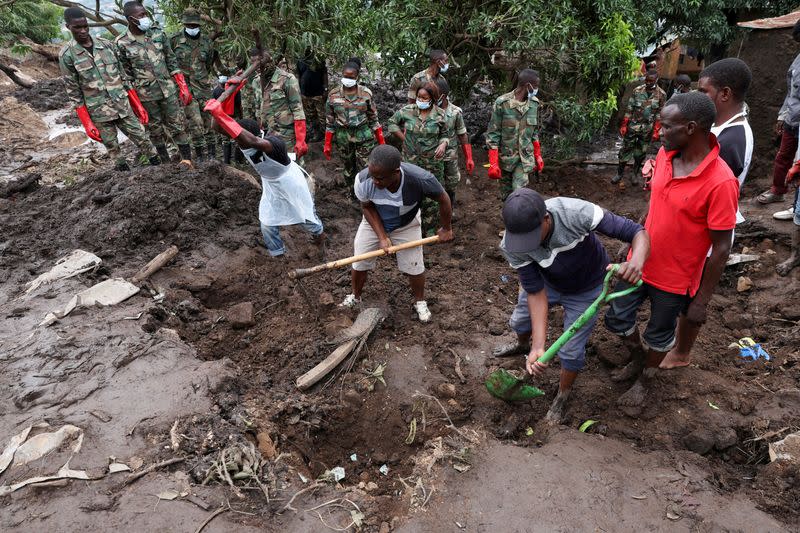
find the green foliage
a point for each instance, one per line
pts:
(37, 20)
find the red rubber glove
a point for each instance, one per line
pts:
(183, 89)
(794, 173)
(470, 164)
(537, 154)
(657, 130)
(229, 104)
(326, 149)
(138, 108)
(623, 129)
(300, 146)
(379, 135)
(91, 130)
(229, 126)
(494, 165)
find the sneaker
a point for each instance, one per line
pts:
(422, 310)
(350, 301)
(787, 214)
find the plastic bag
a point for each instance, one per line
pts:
(285, 197)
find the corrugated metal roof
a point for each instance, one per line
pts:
(774, 23)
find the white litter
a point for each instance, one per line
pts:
(11, 448)
(384, 470)
(338, 473)
(42, 444)
(354, 458)
(63, 473)
(77, 262)
(113, 468)
(735, 259)
(109, 292)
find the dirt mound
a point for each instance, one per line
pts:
(46, 95)
(20, 122)
(123, 215)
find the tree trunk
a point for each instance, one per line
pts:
(16, 76)
(44, 51)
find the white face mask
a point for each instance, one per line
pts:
(444, 67)
(144, 23)
(532, 93)
(222, 79)
(192, 32)
(349, 82)
(423, 104)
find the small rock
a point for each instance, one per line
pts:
(786, 450)
(371, 486)
(265, 445)
(241, 315)
(734, 319)
(744, 284)
(384, 528)
(726, 438)
(326, 299)
(446, 390)
(353, 398)
(699, 441)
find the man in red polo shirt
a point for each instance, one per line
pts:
(692, 208)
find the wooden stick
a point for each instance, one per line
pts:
(152, 468)
(244, 76)
(329, 363)
(155, 264)
(303, 272)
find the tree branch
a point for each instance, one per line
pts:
(16, 76)
(42, 50)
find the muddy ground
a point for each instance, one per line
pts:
(174, 373)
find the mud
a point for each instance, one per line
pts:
(46, 95)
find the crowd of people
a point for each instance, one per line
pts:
(155, 88)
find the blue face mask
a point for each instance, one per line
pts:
(423, 104)
(532, 93)
(144, 23)
(192, 32)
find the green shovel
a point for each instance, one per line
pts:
(504, 385)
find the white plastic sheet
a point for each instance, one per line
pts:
(76, 262)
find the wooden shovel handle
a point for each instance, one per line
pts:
(303, 272)
(244, 76)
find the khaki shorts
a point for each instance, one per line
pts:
(408, 261)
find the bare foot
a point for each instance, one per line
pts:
(555, 415)
(784, 268)
(630, 371)
(633, 400)
(675, 360)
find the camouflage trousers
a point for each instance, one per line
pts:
(634, 146)
(199, 125)
(314, 108)
(166, 117)
(452, 176)
(354, 156)
(132, 129)
(430, 208)
(511, 180)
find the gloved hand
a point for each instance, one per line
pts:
(229, 105)
(469, 164)
(657, 130)
(327, 149)
(91, 130)
(300, 146)
(183, 89)
(623, 129)
(494, 165)
(537, 154)
(138, 108)
(379, 135)
(794, 173)
(230, 126)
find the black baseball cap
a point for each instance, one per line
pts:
(523, 213)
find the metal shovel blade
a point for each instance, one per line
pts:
(504, 385)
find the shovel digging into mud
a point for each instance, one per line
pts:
(504, 385)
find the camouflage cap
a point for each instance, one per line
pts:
(191, 16)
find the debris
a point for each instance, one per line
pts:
(744, 284)
(168, 494)
(371, 486)
(115, 467)
(457, 366)
(529, 431)
(750, 349)
(42, 444)
(699, 441)
(384, 470)
(288, 505)
(374, 377)
(101, 415)
(241, 315)
(210, 518)
(672, 515)
(354, 457)
(735, 259)
(63, 473)
(586, 425)
(11, 448)
(136, 317)
(460, 467)
(109, 292)
(639, 496)
(197, 501)
(412, 431)
(76, 262)
(787, 449)
(152, 468)
(711, 405)
(174, 438)
(338, 473)
(446, 390)
(265, 445)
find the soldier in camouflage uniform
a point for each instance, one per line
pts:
(640, 125)
(457, 131)
(513, 135)
(148, 60)
(352, 119)
(432, 74)
(196, 57)
(102, 96)
(423, 129)
(251, 99)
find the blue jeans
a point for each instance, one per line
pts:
(272, 236)
(573, 353)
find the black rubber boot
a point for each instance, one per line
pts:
(238, 156)
(155, 161)
(198, 153)
(227, 149)
(185, 151)
(620, 169)
(636, 176)
(212, 151)
(122, 165)
(163, 153)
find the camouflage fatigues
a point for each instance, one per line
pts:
(454, 118)
(96, 79)
(149, 62)
(314, 107)
(642, 112)
(422, 139)
(352, 119)
(281, 106)
(513, 128)
(196, 56)
(251, 99)
(418, 80)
